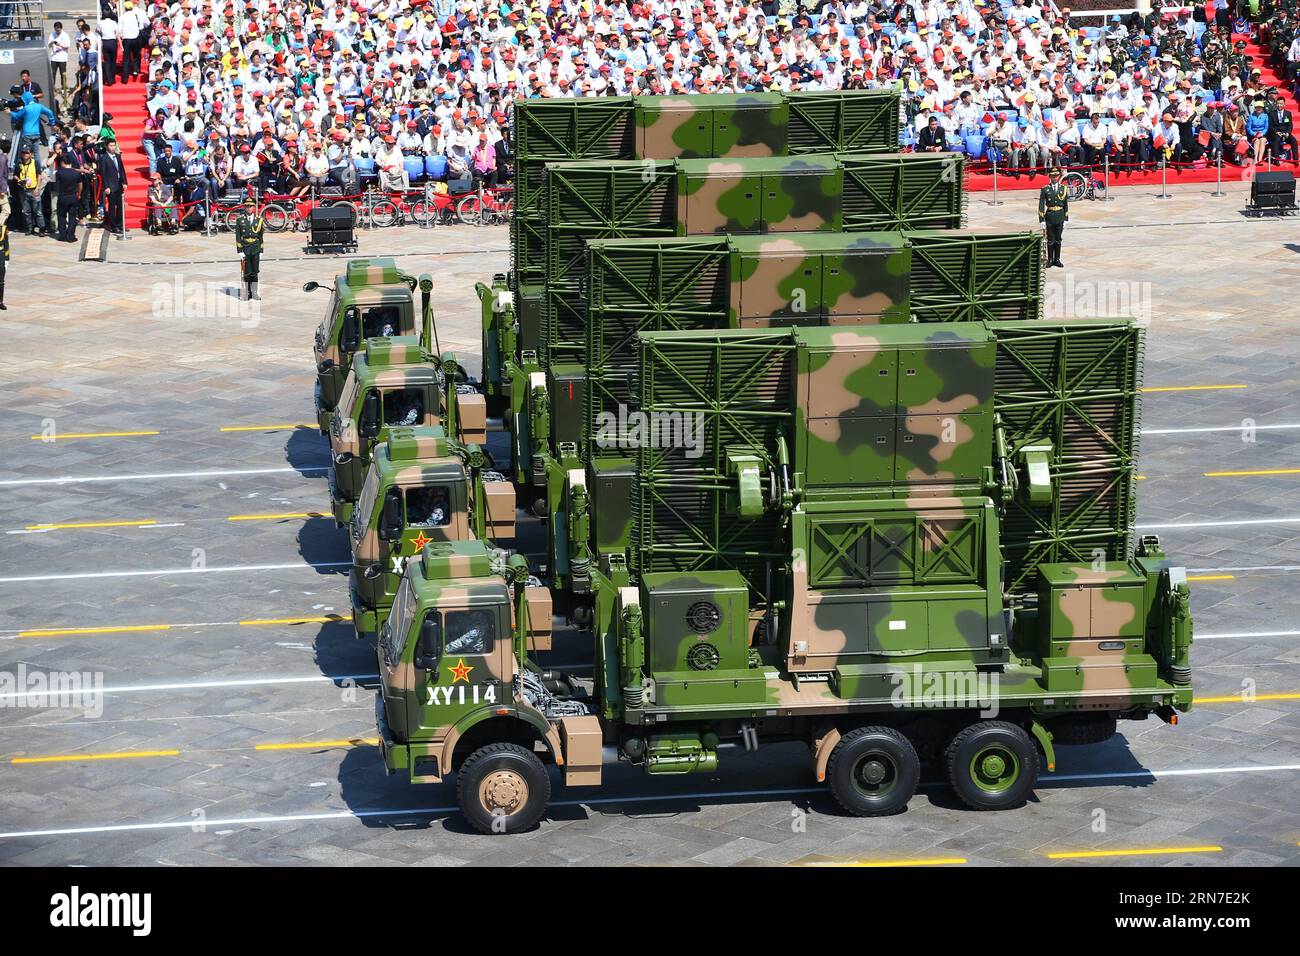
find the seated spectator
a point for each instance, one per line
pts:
(317, 167)
(162, 206)
(245, 171)
(1257, 131)
(933, 138)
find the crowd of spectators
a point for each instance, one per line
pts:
(286, 95)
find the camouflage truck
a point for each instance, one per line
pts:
(748, 281)
(903, 545)
(421, 486)
(394, 382)
(590, 201)
(371, 299)
(708, 283)
(669, 127)
(545, 329)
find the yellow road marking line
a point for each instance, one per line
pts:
(1189, 388)
(1239, 699)
(58, 438)
(322, 744)
(1247, 474)
(274, 517)
(91, 524)
(73, 758)
(69, 631)
(136, 628)
(1212, 577)
(274, 428)
(1155, 851)
(329, 618)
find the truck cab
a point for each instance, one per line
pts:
(371, 299)
(394, 383)
(421, 486)
(459, 693)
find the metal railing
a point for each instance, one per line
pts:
(22, 20)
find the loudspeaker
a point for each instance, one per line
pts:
(332, 226)
(1273, 190)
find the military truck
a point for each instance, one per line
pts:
(394, 382)
(574, 415)
(902, 544)
(585, 201)
(745, 125)
(421, 486)
(371, 299)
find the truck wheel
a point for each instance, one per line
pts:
(873, 771)
(1080, 729)
(502, 788)
(992, 765)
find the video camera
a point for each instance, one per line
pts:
(15, 100)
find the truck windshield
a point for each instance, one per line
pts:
(366, 503)
(399, 621)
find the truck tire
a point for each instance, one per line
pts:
(502, 788)
(1081, 729)
(992, 765)
(873, 771)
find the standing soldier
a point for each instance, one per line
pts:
(4, 261)
(249, 227)
(1053, 212)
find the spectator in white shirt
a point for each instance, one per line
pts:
(58, 45)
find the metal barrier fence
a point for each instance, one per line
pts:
(21, 20)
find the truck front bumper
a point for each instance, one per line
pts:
(364, 619)
(396, 756)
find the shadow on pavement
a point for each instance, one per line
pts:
(324, 545)
(308, 451)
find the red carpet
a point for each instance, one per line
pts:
(126, 101)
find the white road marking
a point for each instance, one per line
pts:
(210, 684)
(599, 801)
(1217, 428)
(1216, 524)
(1258, 567)
(140, 527)
(165, 571)
(1230, 634)
(161, 476)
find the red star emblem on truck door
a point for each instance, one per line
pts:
(420, 541)
(460, 671)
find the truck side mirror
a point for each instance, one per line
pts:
(369, 424)
(310, 286)
(390, 522)
(428, 650)
(350, 340)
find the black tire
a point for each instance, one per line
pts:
(518, 780)
(276, 217)
(1077, 730)
(873, 771)
(992, 765)
(384, 213)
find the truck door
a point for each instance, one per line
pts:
(464, 673)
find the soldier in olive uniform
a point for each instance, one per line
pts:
(1053, 212)
(249, 227)
(4, 261)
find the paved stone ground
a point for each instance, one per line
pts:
(110, 347)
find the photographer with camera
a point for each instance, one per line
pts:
(27, 115)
